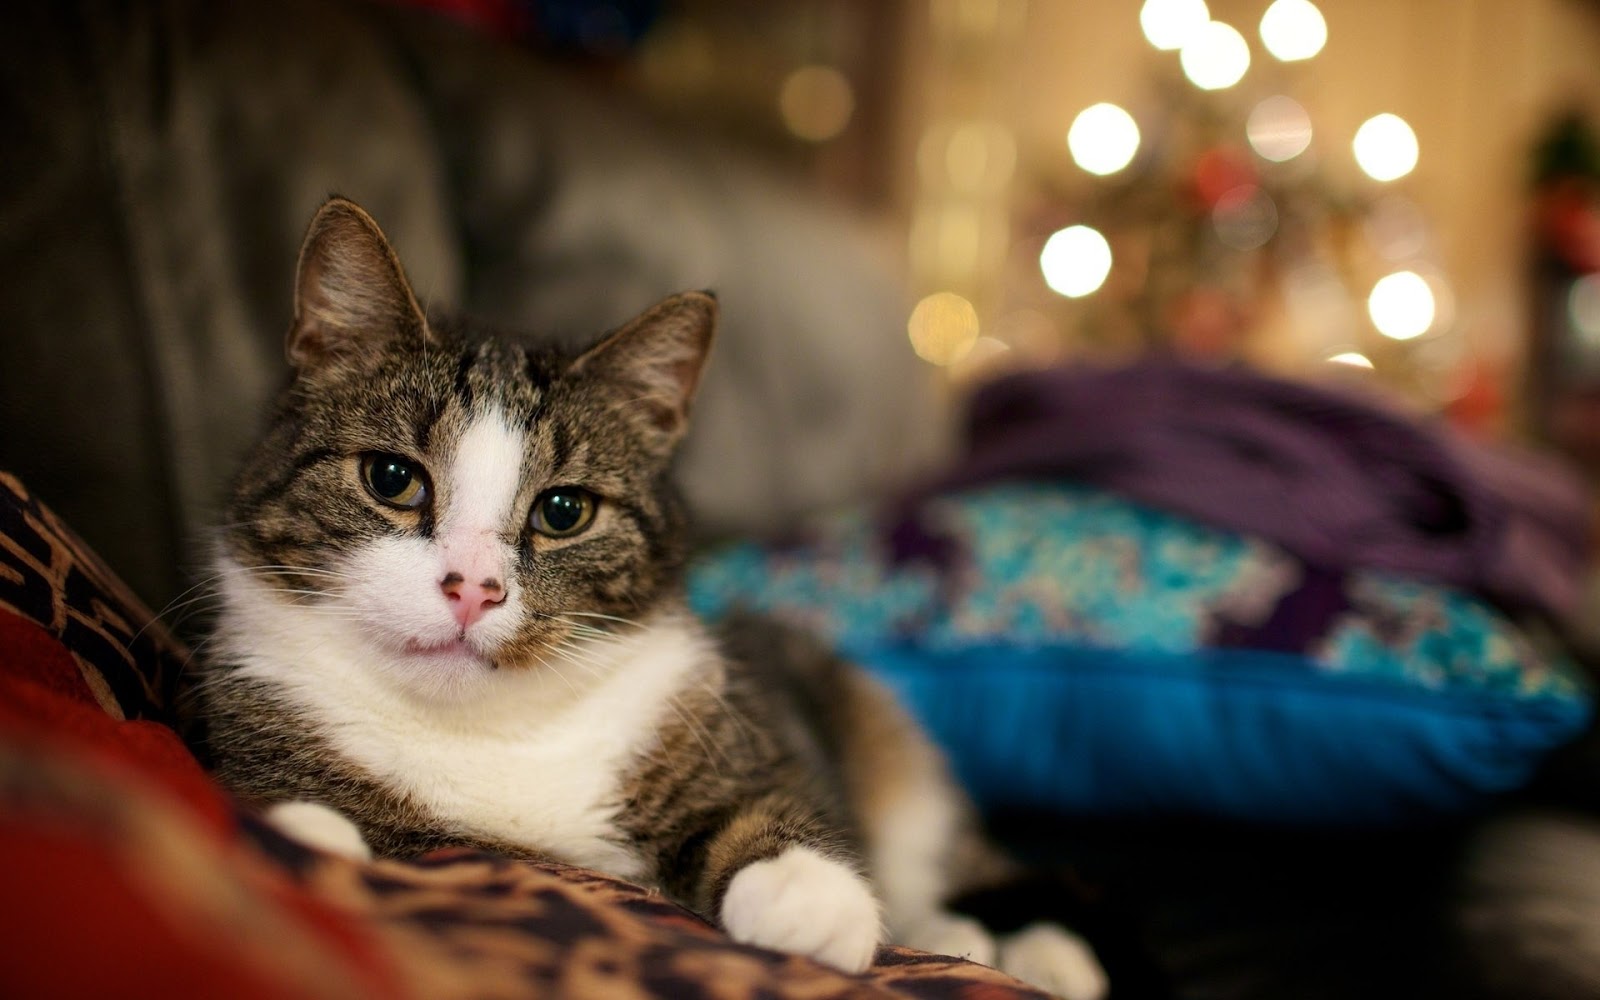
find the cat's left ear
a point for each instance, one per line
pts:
(656, 358)
(350, 290)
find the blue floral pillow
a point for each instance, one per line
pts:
(1075, 651)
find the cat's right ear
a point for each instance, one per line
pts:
(349, 289)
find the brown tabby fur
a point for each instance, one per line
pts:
(778, 744)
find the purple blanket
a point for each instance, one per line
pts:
(1337, 479)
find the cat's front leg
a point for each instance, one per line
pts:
(789, 888)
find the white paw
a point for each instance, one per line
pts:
(1049, 957)
(950, 934)
(318, 826)
(804, 903)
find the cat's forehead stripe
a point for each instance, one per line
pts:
(463, 384)
(484, 475)
(508, 376)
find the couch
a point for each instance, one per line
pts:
(164, 159)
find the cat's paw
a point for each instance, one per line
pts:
(807, 904)
(1053, 959)
(950, 934)
(318, 826)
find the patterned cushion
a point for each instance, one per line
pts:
(1080, 652)
(48, 576)
(133, 868)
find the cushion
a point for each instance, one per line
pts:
(1078, 652)
(130, 873)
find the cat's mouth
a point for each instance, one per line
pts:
(455, 647)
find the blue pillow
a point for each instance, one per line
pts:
(1074, 651)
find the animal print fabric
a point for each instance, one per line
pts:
(50, 577)
(453, 924)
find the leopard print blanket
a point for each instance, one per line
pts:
(97, 792)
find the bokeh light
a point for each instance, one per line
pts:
(1385, 147)
(1354, 359)
(1075, 261)
(943, 328)
(1169, 24)
(971, 157)
(1103, 139)
(1245, 218)
(1583, 309)
(1216, 57)
(1293, 30)
(1402, 305)
(1279, 129)
(816, 102)
(1395, 228)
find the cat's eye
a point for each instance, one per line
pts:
(397, 481)
(562, 512)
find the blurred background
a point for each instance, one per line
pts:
(1405, 189)
(1195, 410)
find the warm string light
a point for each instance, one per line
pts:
(1385, 147)
(1215, 57)
(816, 103)
(1170, 24)
(1354, 359)
(1104, 139)
(1293, 30)
(1279, 129)
(1583, 309)
(1075, 261)
(943, 328)
(1401, 305)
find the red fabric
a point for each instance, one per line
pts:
(80, 926)
(44, 699)
(79, 917)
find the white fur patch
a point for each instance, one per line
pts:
(318, 826)
(804, 903)
(945, 933)
(483, 479)
(531, 756)
(1049, 957)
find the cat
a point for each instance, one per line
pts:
(451, 614)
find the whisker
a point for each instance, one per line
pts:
(698, 730)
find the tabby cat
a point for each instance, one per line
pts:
(451, 614)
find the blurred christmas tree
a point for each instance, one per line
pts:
(1209, 223)
(1564, 367)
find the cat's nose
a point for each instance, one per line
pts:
(471, 601)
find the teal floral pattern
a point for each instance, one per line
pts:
(1040, 564)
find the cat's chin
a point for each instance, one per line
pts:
(449, 672)
(456, 657)
(449, 648)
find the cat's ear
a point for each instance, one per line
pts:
(349, 288)
(656, 358)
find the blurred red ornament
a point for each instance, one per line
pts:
(1218, 171)
(1567, 215)
(1206, 323)
(1478, 404)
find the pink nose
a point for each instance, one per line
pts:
(471, 601)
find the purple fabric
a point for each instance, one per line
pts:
(1337, 479)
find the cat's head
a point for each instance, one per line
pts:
(456, 504)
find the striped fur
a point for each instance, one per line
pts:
(584, 716)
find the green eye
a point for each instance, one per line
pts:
(398, 482)
(562, 512)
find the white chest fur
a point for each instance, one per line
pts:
(531, 756)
